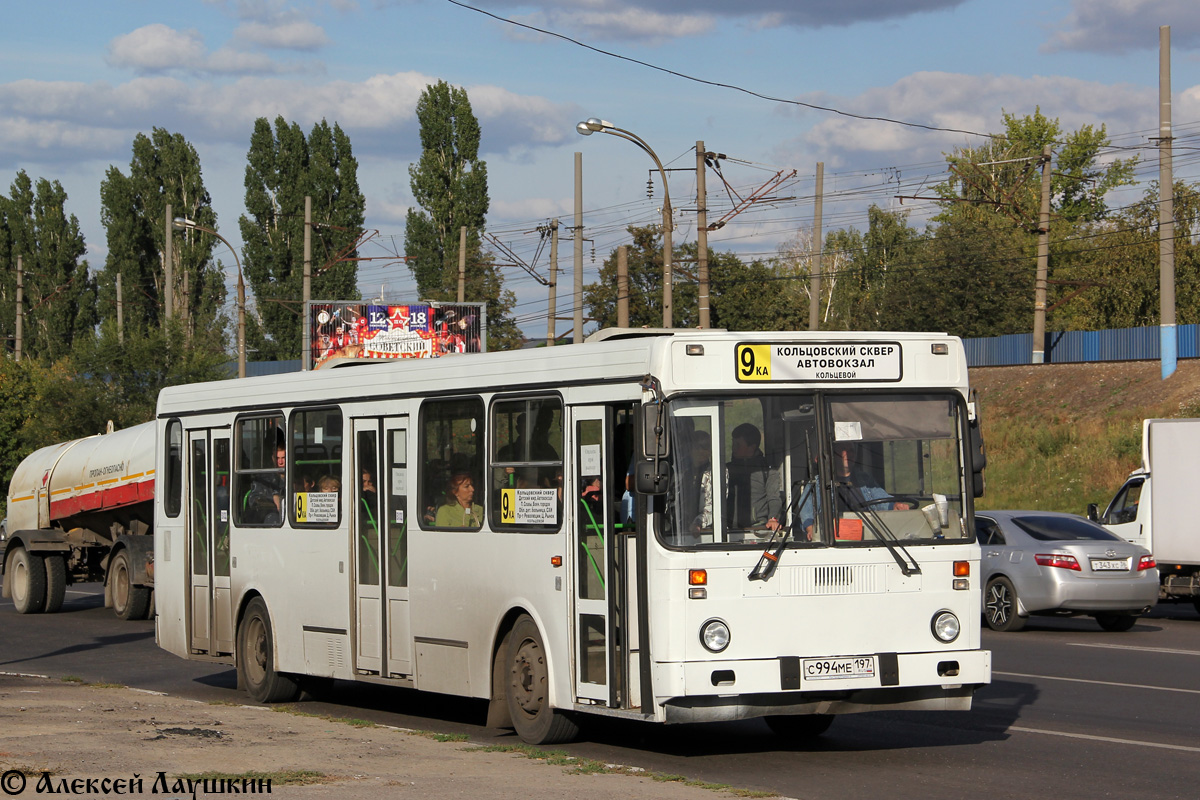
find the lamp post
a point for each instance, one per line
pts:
(183, 224)
(594, 125)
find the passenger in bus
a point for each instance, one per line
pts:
(265, 498)
(755, 492)
(460, 510)
(854, 488)
(328, 483)
(702, 463)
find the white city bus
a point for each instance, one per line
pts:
(322, 525)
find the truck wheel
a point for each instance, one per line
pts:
(256, 658)
(129, 601)
(27, 572)
(56, 583)
(528, 689)
(1000, 606)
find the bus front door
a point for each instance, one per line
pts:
(594, 576)
(379, 526)
(210, 608)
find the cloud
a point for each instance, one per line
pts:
(63, 120)
(156, 48)
(963, 102)
(653, 20)
(1106, 26)
(293, 35)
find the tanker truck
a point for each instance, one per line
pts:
(83, 511)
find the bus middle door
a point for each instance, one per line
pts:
(210, 603)
(594, 578)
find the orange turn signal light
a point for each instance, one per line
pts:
(698, 577)
(962, 569)
(556, 561)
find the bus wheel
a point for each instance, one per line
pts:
(129, 601)
(256, 659)
(528, 690)
(27, 571)
(56, 583)
(800, 727)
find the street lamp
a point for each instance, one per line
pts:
(593, 125)
(183, 224)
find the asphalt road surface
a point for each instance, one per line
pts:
(1072, 712)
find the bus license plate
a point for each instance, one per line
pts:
(1099, 566)
(824, 669)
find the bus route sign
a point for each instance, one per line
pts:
(812, 362)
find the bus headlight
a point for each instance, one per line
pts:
(945, 626)
(714, 635)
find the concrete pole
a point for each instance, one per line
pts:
(623, 286)
(18, 340)
(814, 278)
(1166, 210)
(462, 264)
(120, 312)
(1043, 265)
(168, 268)
(702, 233)
(306, 343)
(553, 283)
(577, 333)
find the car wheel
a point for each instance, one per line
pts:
(256, 658)
(803, 727)
(1000, 606)
(26, 574)
(1116, 623)
(528, 689)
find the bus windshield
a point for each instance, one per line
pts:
(830, 470)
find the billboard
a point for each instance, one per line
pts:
(414, 330)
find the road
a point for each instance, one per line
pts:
(1073, 712)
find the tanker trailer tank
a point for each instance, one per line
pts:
(83, 510)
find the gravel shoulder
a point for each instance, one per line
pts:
(78, 732)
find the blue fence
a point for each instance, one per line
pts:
(1122, 344)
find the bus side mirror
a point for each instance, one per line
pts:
(1093, 513)
(978, 454)
(654, 434)
(649, 480)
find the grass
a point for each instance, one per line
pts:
(351, 721)
(288, 777)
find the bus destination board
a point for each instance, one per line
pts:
(813, 362)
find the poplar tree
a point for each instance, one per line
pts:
(165, 169)
(449, 184)
(285, 166)
(59, 294)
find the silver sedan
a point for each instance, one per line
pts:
(1044, 562)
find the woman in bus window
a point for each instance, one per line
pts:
(459, 510)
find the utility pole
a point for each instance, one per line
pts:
(462, 264)
(814, 279)
(120, 312)
(168, 268)
(623, 286)
(553, 283)
(306, 344)
(1166, 209)
(577, 333)
(18, 341)
(1043, 265)
(702, 233)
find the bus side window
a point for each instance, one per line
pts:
(316, 468)
(174, 468)
(450, 474)
(258, 475)
(527, 446)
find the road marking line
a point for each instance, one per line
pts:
(1139, 649)
(1098, 683)
(1109, 739)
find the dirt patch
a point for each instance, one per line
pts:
(1075, 392)
(80, 732)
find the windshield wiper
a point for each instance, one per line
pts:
(769, 560)
(870, 517)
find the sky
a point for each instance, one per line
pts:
(775, 85)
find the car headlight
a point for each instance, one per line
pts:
(946, 626)
(714, 635)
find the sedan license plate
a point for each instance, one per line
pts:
(824, 669)
(1121, 565)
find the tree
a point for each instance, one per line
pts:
(165, 169)
(645, 286)
(59, 294)
(283, 168)
(449, 185)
